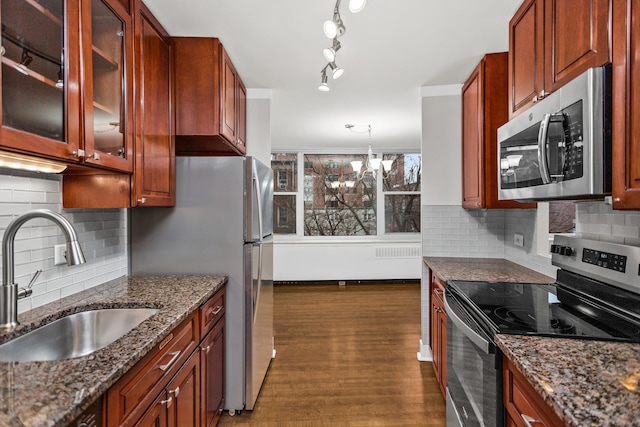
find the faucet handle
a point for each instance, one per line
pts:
(27, 291)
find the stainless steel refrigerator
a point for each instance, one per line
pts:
(222, 224)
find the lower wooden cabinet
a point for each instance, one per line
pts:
(439, 332)
(524, 406)
(181, 381)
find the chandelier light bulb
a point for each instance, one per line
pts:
(356, 6)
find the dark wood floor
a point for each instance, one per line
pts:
(346, 356)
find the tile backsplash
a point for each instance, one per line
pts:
(101, 232)
(456, 232)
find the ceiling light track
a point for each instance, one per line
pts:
(333, 29)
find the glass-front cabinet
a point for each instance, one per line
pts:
(66, 80)
(107, 93)
(40, 103)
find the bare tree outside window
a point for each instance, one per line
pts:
(337, 203)
(285, 172)
(401, 186)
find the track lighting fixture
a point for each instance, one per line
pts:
(336, 71)
(356, 6)
(330, 52)
(334, 29)
(324, 87)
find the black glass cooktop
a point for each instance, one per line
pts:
(551, 310)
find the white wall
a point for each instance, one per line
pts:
(101, 233)
(259, 124)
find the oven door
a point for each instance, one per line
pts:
(474, 371)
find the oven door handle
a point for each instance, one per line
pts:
(478, 340)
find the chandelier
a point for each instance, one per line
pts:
(333, 29)
(371, 165)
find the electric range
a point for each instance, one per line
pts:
(596, 296)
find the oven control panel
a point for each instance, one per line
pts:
(605, 259)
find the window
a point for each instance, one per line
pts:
(401, 186)
(557, 217)
(285, 171)
(336, 201)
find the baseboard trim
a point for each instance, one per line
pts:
(424, 355)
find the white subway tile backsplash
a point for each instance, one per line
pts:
(101, 233)
(624, 231)
(632, 218)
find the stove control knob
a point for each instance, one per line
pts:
(562, 250)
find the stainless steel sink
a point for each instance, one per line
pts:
(75, 335)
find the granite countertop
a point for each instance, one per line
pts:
(53, 393)
(484, 269)
(585, 382)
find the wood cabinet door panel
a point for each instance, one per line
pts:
(576, 39)
(156, 415)
(212, 374)
(184, 391)
(626, 105)
(154, 172)
(526, 55)
(241, 131)
(229, 105)
(472, 154)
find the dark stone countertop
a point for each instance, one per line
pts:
(484, 269)
(53, 393)
(585, 382)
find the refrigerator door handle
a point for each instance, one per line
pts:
(259, 284)
(256, 188)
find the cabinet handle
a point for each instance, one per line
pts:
(175, 392)
(617, 199)
(94, 156)
(175, 355)
(217, 310)
(543, 94)
(206, 349)
(529, 421)
(78, 153)
(142, 201)
(168, 401)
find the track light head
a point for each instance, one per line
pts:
(330, 52)
(356, 6)
(324, 87)
(335, 70)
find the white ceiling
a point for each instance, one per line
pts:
(389, 51)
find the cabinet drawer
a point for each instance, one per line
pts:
(211, 312)
(129, 397)
(522, 402)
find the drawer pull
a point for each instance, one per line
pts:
(530, 421)
(216, 310)
(175, 355)
(168, 401)
(206, 349)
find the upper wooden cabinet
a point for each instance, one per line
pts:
(153, 181)
(626, 104)
(550, 43)
(484, 109)
(53, 103)
(210, 99)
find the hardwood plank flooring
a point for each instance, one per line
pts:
(346, 356)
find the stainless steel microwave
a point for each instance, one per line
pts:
(560, 148)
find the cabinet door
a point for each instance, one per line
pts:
(472, 149)
(576, 39)
(156, 415)
(41, 77)
(108, 92)
(184, 390)
(526, 55)
(228, 98)
(626, 105)
(154, 171)
(212, 374)
(241, 130)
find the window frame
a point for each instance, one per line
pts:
(380, 235)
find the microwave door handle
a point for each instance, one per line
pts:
(542, 149)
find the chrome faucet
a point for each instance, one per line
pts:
(9, 295)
